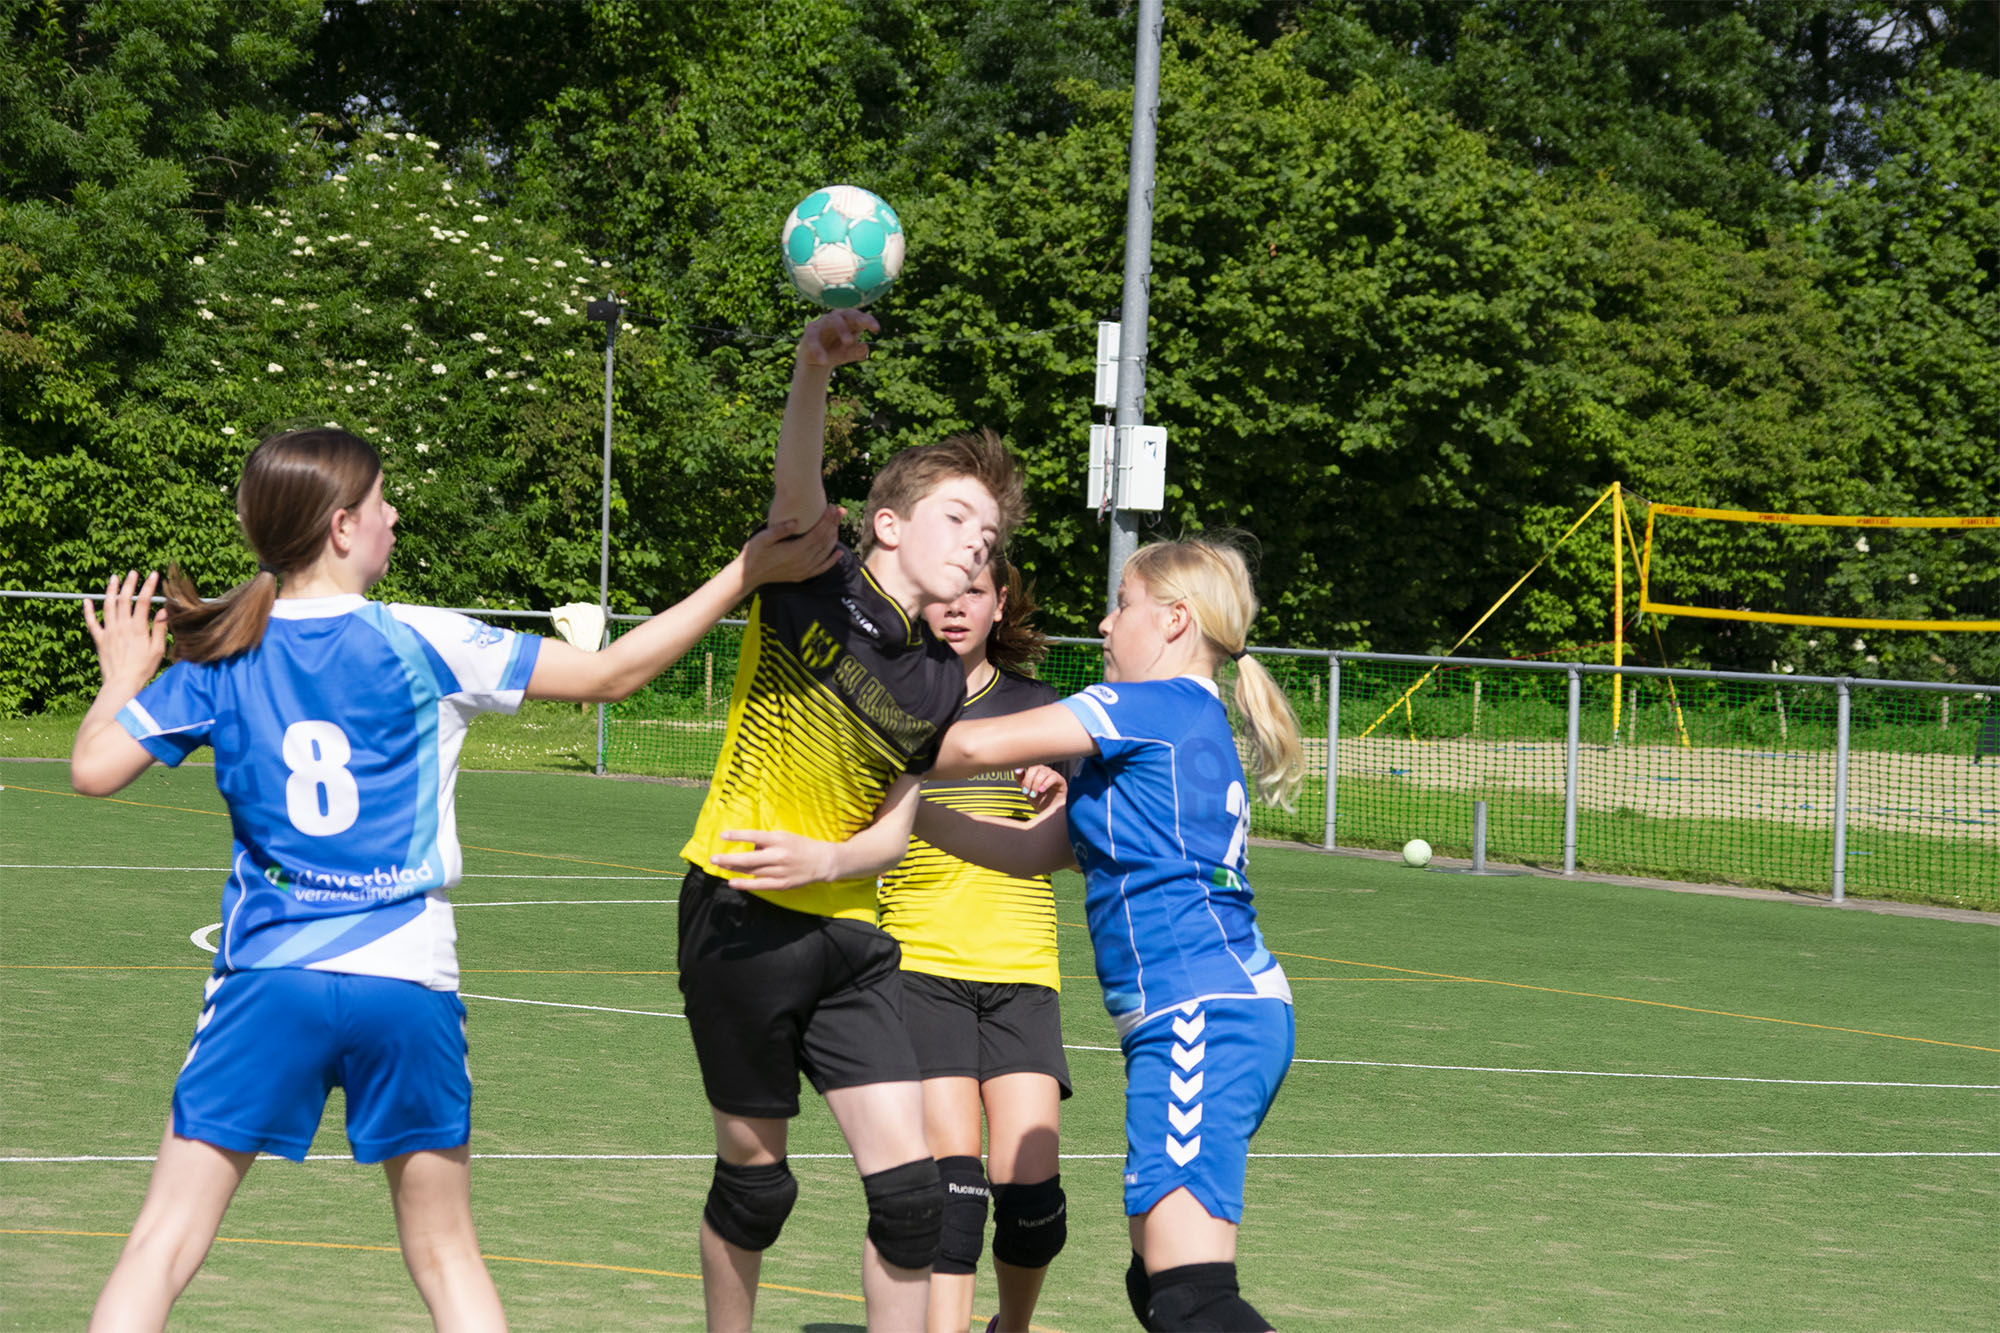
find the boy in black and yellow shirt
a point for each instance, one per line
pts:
(841, 697)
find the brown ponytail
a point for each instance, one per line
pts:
(293, 483)
(1014, 643)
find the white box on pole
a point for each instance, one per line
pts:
(1143, 480)
(1100, 466)
(1107, 364)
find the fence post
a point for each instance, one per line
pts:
(1332, 746)
(1569, 772)
(1840, 791)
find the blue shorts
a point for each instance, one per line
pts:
(270, 1045)
(1198, 1081)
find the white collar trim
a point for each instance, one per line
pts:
(316, 608)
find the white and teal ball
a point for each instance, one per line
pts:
(843, 246)
(1416, 852)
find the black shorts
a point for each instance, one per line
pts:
(983, 1029)
(770, 992)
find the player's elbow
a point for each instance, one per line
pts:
(89, 775)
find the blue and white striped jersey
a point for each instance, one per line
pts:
(336, 746)
(1160, 821)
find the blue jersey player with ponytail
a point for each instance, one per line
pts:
(1158, 818)
(336, 724)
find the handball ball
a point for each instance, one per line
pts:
(842, 246)
(1416, 852)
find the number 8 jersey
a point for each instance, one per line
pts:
(336, 747)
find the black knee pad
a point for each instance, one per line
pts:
(1030, 1222)
(1139, 1291)
(1201, 1298)
(748, 1205)
(906, 1213)
(963, 1233)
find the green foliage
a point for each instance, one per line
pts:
(371, 293)
(1426, 278)
(1356, 345)
(1722, 109)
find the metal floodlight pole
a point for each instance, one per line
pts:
(608, 312)
(1131, 406)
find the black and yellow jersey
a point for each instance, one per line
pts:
(837, 695)
(956, 919)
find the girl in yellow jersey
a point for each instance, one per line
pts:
(980, 982)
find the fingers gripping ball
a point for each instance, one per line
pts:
(906, 1213)
(1416, 852)
(748, 1205)
(842, 246)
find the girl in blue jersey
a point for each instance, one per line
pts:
(1158, 818)
(336, 724)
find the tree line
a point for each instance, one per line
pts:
(1426, 278)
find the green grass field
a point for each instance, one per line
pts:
(1517, 1103)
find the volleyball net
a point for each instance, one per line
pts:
(1885, 572)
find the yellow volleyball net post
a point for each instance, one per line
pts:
(1403, 700)
(1673, 694)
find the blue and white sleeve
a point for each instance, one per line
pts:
(479, 665)
(172, 717)
(1114, 715)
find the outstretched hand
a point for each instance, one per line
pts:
(834, 339)
(777, 860)
(776, 555)
(130, 644)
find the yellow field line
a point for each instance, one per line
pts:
(489, 1258)
(1657, 1004)
(224, 814)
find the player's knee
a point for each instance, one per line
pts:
(906, 1213)
(1030, 1222)
(1201, 1298)
(748, 1205)
(963, 1231)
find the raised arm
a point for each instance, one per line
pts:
(130, 645)
(799, 479)
(566, 672)
(1049, 734)
(780, 860)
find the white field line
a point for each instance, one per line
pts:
(563, 902)
(1110, 1157)
(223, 870)
(200, 938)
(553, 1004)
(1605, 1073)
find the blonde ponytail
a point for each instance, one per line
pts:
(1212, 575)
(1276, 751)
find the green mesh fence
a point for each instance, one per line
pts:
(1704, 779)
(1713, 780)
